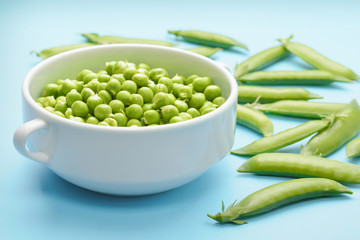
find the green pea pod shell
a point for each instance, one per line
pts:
(345, 127)
(204, 51)
(299, 165)
(260, 60)
(283, 139)
(277, 195)
(207, 38)
(254, 119)
(352, 148)
(317, 60)
(46, 53)
(304, 77)
(96, 38)
(249, 94)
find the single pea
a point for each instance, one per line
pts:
(185, 116)
(151, 117)
(68, 113)
(101, 86)
(134, 111)
(129, 86)
(161, 99)
(61, 99)
(167, 82)
(121, 119)
(80, 109)
(115, 67)
(93, 85)
(197, 100)
(60, 82)
(184, 92)
(102, 72)
(116, 106)
(176, 119)
(144, 66)
(137, 99)
(103, 78)
(146, 93)
(152, 86)
(140, 79)
(119, 77)
(133, 123)
(60, 114)
(105, 95)
(81, 75)
(169, 111)
(111, 121)
(49, 109)
(207, 110)
(113, 86)
(48, 101)
(212, 91)
(190, 79)
(94, 101)
(178, 79)
(73, 96)
(219, 101)
(92, 120)
(124, 97)
(172, 98)
(207, 104)
(181, 105)
(129, 72)
(161, 88)
(61, 106)
(103, 124)
(143, 71)
(89, 77)
(157, 73)
(50, 89)
(200, 83)
(86, 93)
(77, 119)
(148, 106)
(193, 112)
(102, 111)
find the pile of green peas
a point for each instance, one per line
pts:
(126, 94)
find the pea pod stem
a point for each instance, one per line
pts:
(46, 53)
(277, 195)
(316, 59)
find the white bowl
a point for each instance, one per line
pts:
(122, 160)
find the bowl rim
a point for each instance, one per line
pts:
(40, 111)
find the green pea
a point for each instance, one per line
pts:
(50, 89)
(277, 195)
(133, 123)
(89, 77)
(113, 86)
(144, 66)
(197, 100)
(169, 111)
(61, 99)
(212, 91)
(176, 119)
(161, 88)
(207, 104)
(151, 117)
(49, 109)
(47, 101)
(185, 116)
(101, 86)
(181, 105)
(117, 106)
(207, 110)
(193, 112)
(68, 113)
(111, 121)
(94, 101)
(73, 96)
(134, 111)
(200, 84)
(137, 99)
(119, 77)
(115, 67)
(104, 124)
(61, 106)
(60, 114)
(124, 97)
(167, 82)
(103, 78)
(105, 95)
(121, 119)
(77, 119)
(176, 89)
(219, 101)
(129, 72)
(152, 86)
(86, 93)
(92, 120)
(184, 92)
(157, 73)
(82, 74)
(148, 106)
(80, 109)
(161, 99)
(179, 79)
(129, 86)
(102, 111)
(140, 79)
(146, 93)
(102, 72)
(93, 85)
(172, 98)
(190, 79)
(143, 71)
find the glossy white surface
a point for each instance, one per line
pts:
(126, 161)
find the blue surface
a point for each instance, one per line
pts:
(36, 204)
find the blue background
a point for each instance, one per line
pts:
(36, 204)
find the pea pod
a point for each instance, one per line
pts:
(46, 53)
(282, 139)
(207, 38)
(352, 149)
(254, 119)
(298, 165)
(260, 60)
(345, 127)
(205, 51)
(95, 38)
(317, 60)
(277, 195)
(299, 108)
(267, 94)
(304, 77)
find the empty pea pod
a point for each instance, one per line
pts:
(249, 94)
(298, 165)
(282, 139)
(260, 60)
(300, 108)
(205, 51)
(304, 77)
(277, 195)
(352, 148)
(95, 38)
(207, 38)
(345, 127)
(46, 53)
(316, 59)
(254, 119)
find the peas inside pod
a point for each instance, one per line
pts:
(130, 95)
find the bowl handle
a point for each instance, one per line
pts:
(22, 133)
